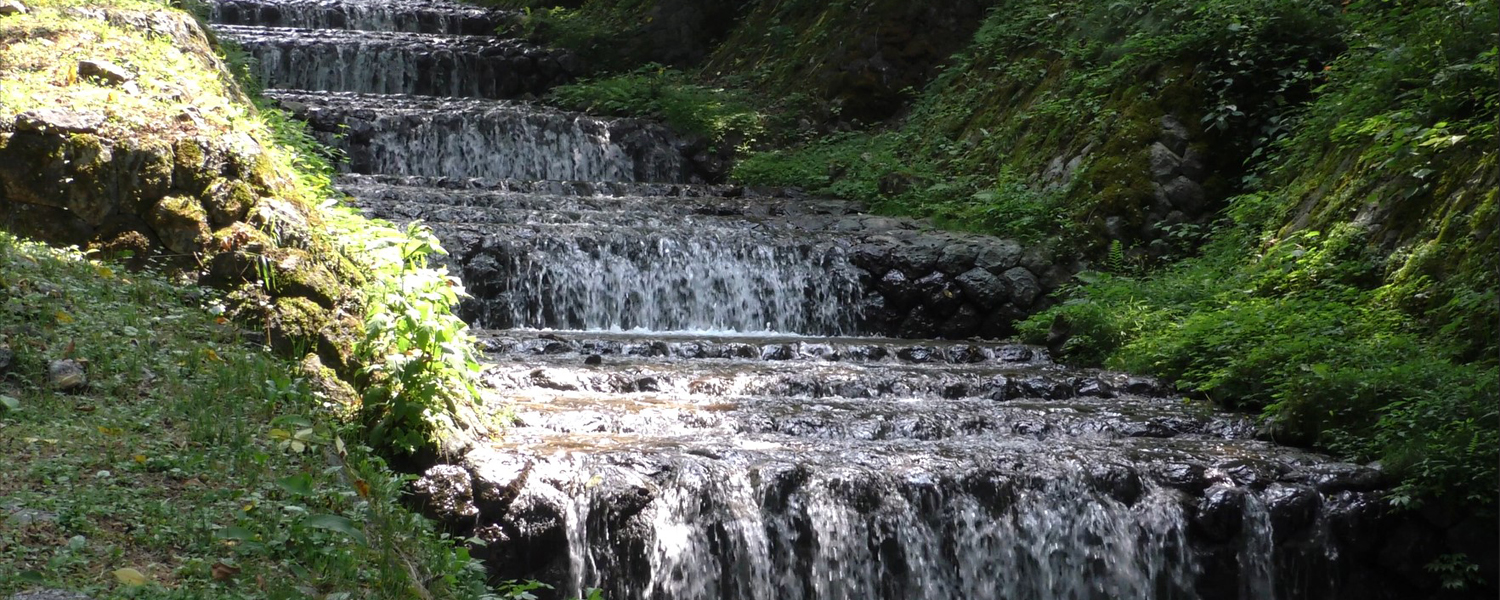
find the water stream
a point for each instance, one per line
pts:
(705, 404)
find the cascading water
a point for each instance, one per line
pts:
(412, 16)
(679, 437)
(465, 137)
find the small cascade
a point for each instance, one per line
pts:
(461, 137)
(413, 16)
(623, 263)
(398, 63)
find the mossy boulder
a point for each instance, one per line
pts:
(181, 224)
(228, 201)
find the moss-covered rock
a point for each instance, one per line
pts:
(228, 201)
(181, 224)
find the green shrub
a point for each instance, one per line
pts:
(718, 114)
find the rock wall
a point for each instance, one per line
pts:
(209, 202)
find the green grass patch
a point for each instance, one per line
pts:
(205, 464)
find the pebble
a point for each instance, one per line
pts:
(66, 375)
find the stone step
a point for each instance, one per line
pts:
(414, 16)
(384, 62)
(409, 135)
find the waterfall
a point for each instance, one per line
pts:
(700, 404)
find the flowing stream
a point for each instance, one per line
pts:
(707, 404)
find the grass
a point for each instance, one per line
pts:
(39, 53)
(196, 464)
(178, 460)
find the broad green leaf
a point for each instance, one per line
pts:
(129, 576)
(296, 485)
(337, 523)
(235, 533)
(9, 402)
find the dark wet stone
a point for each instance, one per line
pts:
(1091, 386)
(594, 360)
(1292, 508)
(1015, 354)
(983, 288)
(1220, 512)
(915, 354)
(1024, 288)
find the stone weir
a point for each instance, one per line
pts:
(412, 16)
(681, 257)
(384, 62)
(469, 137)
(681, 430)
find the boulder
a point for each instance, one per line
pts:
(181, 224)
(983, 288)
(58, 121)
(104, 71)
(66, 375)
(12, 7)
(1024, 287)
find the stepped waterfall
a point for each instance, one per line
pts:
(733, 393)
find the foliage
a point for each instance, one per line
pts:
(207, 466)
(1044, 84)
(718, 114)
(603, 33)
(421, 356)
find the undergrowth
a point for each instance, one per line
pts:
(723, 116)
(1352, 296)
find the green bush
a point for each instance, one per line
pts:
(720, 115)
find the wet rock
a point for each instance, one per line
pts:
(998, 255)
(1292, 508)
(66, 375)
(940, 296)
(1144, 386)
(556, 379)
(12, 7)
(1015, 353)
(498, 478)
(1092, 386)
(982, 288)
(594, 360)
(1024, 288)
(105, 71)
(447, 493)
(1220, 512)
(57, 120)
(1118, 481)
(1189, 478)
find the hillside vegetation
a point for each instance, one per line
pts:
(195, 398)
